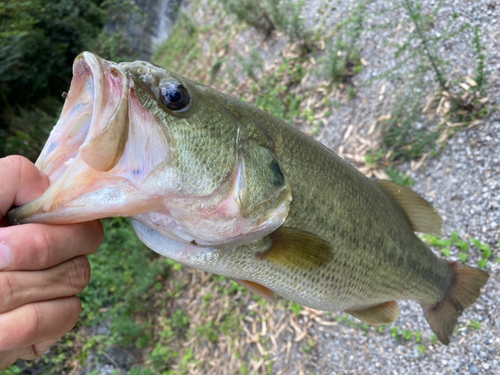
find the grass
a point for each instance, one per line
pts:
(433, 109)
(268, 16)
(458, 247)
(343, 60)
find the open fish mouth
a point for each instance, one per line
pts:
(89, 156)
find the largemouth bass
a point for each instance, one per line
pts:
(222, 186)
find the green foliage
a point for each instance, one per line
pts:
(474, 324)
(410, 133)
(308, 347)
(28, 129)
(252, 63)
(406, 132)
(372, 157)
(481, 73)
(182, 47)
(295, 307)
(39, 40)
(123, 271)
(270, 15)
(255, 13)
(274, 90)
(180, 320)
(12, 370)
(462, 246)
(399, 177)
(343, 59)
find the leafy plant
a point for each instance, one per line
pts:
(39, 40)
(343, 60)
(182, 47)
(270, 15)
(275, 95)
(123, 270)
(474, 324)
(411, 132)
(295, 307)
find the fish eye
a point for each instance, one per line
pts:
(174, 96)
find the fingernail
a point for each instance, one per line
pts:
(5, 255)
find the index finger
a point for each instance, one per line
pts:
(20, 182)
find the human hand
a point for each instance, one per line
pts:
(42, 268)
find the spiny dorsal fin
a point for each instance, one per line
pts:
(384, 313)
(258, 289)
(423, 217)
(294, 248)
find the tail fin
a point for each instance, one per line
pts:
(443, 316)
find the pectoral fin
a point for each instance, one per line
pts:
(258, 289)
(293, 248)
(384, 313)
(423, 217)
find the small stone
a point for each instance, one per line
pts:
(473, 369)
(486, 366)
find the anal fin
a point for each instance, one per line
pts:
(258, 289)
(383, 313)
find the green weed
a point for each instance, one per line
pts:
(462, 246)
(399, 177)
(295, 307)
(12, 370)
(180, 320)
(123, 270)
(474, 324)
(270, 15)
(410, 133)
(274, 90)
(182, 47)
(308, 347)
(343, 59)
(406, 133)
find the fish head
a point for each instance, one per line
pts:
(137, 140)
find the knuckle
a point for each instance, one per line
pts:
(75, 307)
(35, 322)
(6, 292)
(42, 246)
(78, 273)
(15, 164)
(95, 234)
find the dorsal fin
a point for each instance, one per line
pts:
(423, 217)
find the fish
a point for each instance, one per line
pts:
(217, 184)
